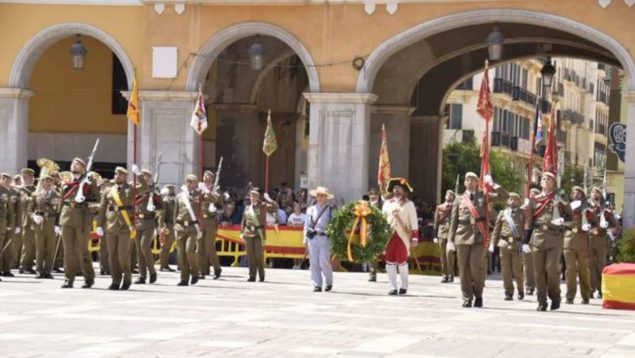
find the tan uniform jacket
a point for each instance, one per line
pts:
(46, 205)
(545, 235)
(254, 218)
(595, 219)
(182, 218)
(7, 210)
(574, 237)
(77, 214)
(442, 220)
(503, 235)
(110, 215)
(212, 202)
(26, 193)
(463, 226)
(166, 215)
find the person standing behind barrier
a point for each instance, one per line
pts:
(166, 226)
(188, 230)
(316, 221)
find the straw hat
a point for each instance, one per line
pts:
(321, 190)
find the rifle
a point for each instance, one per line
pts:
(215, 188)
(456, 186)
(79, 197)
(152, 187)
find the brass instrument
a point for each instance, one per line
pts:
(47, 167)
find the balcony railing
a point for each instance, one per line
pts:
(572, 116)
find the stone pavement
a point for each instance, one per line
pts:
(282, 317)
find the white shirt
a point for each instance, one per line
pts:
(296, 220)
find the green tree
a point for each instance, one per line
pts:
(571, 176)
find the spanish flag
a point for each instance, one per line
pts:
(383, 171)
(133, 104)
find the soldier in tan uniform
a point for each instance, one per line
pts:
(104, 259)
(468, 227)
(576, 248)
(75, 221)
(7, 222)
(115, 214)
(43, 210)
(374, 199)
(28, 236)
(442, 227)
(544, 235)
(166, 226)
(528, 262)
(212, 201)
(188, 230)
(147, 203)
(16, 235)
(253, 231)
(601, 219)
(509, 232)
(59, 250)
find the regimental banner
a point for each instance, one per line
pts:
(617, 140)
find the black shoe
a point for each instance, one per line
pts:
(478, 302)
(125, 286)
(67, 284)
(134, 271)
(530, 292)
(403, 291)
(585, 301)
(58, 270)
(40, 275)
(599, 294)
(31, 271)
(217, 274)
(88, 283)
(8, 274)
(48, 275)
(392, 293)
(542, 307)
(166, 269)
(114, 287)
(251, 279)
(450, 279)
(102, 272)
(140, 281)
(317, 289)
(555, 305)
(261, 279)
(194, 280)
(328, 288)
(569, 301)
(509, 298)
(521, 295)
(201, 277)
(21, 271)
(153, 277)
(467, 304)
(445, 279)
(372, 278)
(182, 283)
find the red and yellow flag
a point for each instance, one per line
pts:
(550, 160)
(270, 143)
(383, 172)
(133, 113)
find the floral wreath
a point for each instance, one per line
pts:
(358, 232)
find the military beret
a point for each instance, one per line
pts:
(5, 175)
(549, 174)
(191, 177)
(514, 195)
(578, 188)
(471, 175)
(17, 177)
(534, 191)
(79, 161)
(121, 170)
(46, 177)
(55, 174)
(595, 188)
(254, 191)
(170, 186)
(208, 172)
(27, 171)
(450, 192)
(146, 171)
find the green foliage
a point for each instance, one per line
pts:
(571, 176)
(340, 226)
(459, 158)
(626, 247)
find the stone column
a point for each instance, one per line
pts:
(14, 128)
(628, 214)
(426, 150)
(165, 128)
(397, 119)
(339, 142)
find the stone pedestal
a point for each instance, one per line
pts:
(426, 135)
(628, 214)
(339, 142)
(14, 128)
(397, 119)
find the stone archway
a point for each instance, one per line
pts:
(15, 99)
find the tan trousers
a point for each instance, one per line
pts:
(75, 251)
(119, 247)
(186, 244)
(206, 248)
(16, 243)
(447, 259)
(28, 248)
(104, 257)
(471, 270)
(511, 269)
(577, 269)
(528, 266)
(45, 243)
(255, 257)
(166, 246)
(144, 250)
(598, 246)
(547, 273)
(7, 256)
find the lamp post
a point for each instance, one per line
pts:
(495, 41)
(547, 71)
(78, 54)
(256, 54)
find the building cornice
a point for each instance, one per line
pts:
(352, 97)
(17, 93)
(185, 96)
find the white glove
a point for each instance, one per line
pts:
(558, 221)
(135, 170)
(99, 231)
(575, 204)
(604, 224)
(226, 196)
(526, 202)
(488, 180)
(586, 227)
(151, 208)
(17, 230)
(199, 235)
(525, 249)
(267, 197)
(491, 247)
(450, 247)
(37, 219)
(212, 208)
(58, 230)
(435, 240)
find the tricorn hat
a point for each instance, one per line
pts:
(402, 182)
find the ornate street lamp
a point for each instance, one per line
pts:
(495, 41)
(547, 72)
(256, 55)
(78, 54)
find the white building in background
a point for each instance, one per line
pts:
(581, 94)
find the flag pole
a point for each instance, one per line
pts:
(532, 151)
(266, 173)
(200, 146)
